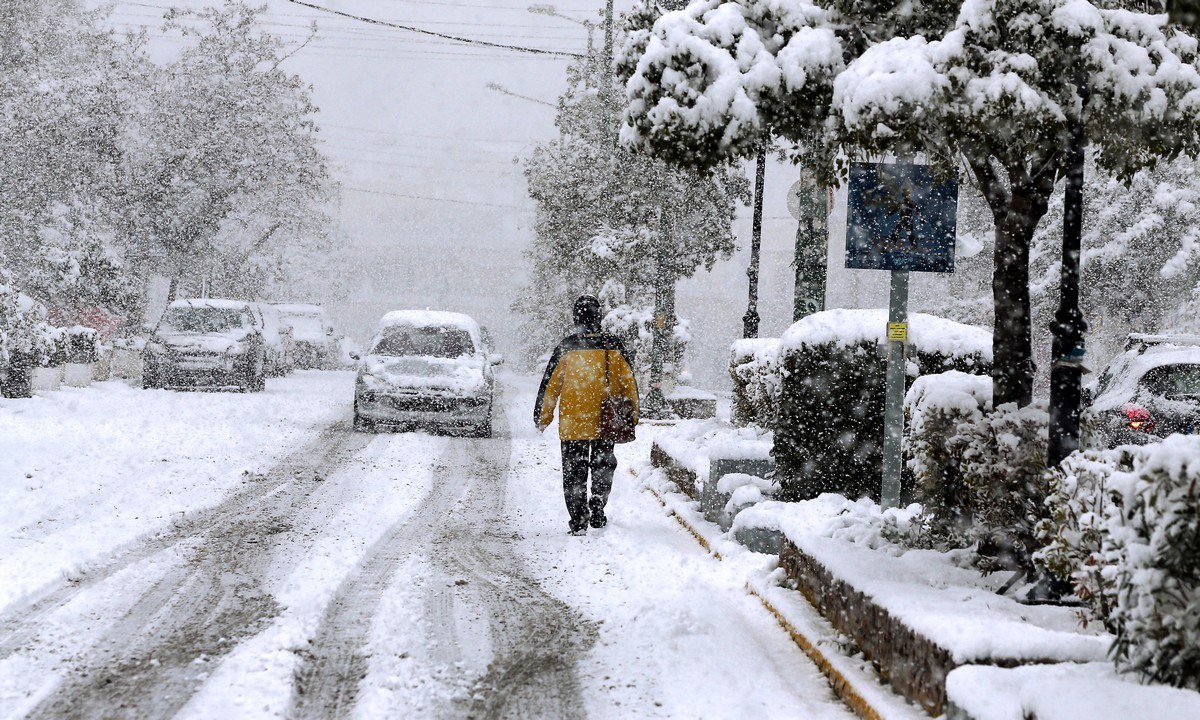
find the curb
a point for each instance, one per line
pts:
(842, 686)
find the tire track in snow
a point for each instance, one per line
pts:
(19, 625)
(152, 660)
(461, 527)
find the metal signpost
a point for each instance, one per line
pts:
(902, 218)
(809, 204)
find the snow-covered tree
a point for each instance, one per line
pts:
(608, 215)
(227, 173)
(990, 84)
(67, 89)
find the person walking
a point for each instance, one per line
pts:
(590, 379)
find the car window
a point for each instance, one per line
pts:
(424, 341)
(1170, 380)
(203, 319)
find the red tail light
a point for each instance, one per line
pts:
(1138, 418)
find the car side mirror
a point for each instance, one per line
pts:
(496, 359)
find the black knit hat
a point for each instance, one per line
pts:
(586, 313)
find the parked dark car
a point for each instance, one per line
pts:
(426, 369)
(1150, 391)
(206, 343)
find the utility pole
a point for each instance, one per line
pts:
(1069, 325)
(655, 403)
(750, 320)
(809, 204)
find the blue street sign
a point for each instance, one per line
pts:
(901, 217)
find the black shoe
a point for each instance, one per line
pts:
(598, 520)
(577, 531)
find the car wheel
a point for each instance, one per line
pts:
(364, 425)
(483, 429)
(151, 381)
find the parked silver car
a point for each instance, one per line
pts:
(1148, 392)
(206, 343)
(426, 369)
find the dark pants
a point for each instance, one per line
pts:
(578, 457)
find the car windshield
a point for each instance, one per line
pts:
(1172, 380)
(202, 319)
(439, 342)
(306, 325)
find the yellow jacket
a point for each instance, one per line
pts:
(575, 381)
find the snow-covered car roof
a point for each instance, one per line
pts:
(299, 309)
(1123, 374)
(430, 318)
(219, 303)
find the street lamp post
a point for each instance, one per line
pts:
(750, 320)
(1069, 326)
(551, 11)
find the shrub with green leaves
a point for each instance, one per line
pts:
(1004, 467)
(940, 411)
(829, 430)
(754, 369)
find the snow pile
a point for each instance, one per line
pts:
(452, 377)
(859, 522)
(1064, 690)
(845, 328)
(745, 491)
(936, 594)
(1125, 527)
(691, 443)
(757, 381)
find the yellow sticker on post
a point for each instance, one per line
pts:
(897, 332)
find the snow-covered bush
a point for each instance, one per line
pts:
(1125, 526)
(1080, 499)
(940, 411)
(83, 345)
(829, 430)
(1004, 467)
(754, 369)
(1151, 542)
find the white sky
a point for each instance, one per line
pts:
(410, 115)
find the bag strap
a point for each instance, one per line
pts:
(607, 379)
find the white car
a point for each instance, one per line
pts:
(278, 341)
(312, 334)
(206, 343)
(426, 369)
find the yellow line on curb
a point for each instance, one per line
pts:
(842, 686)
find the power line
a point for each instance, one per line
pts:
(422, 31)
(433, 199)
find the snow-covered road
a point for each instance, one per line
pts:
(205, 555)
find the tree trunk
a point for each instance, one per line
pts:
(1017, 202)
(1012, 339)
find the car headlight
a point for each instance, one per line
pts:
(155, 348)
(237, 348)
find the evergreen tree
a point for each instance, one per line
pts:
(613, 222)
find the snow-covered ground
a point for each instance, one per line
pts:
(226, 555)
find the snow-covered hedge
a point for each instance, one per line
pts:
(1126, 525)
(754, 369)
(940, 411)
(829, 430)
